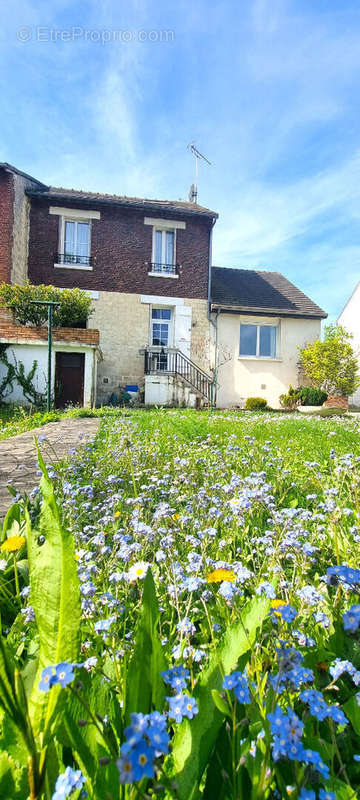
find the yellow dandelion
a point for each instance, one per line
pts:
(117, 514)
(277, 604)
(219, 575)
(12, 544)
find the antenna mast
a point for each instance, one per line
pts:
(193, 193)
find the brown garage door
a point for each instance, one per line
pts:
(69, 379)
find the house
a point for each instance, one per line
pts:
(162, 312)
(350, 320)
(262, 320)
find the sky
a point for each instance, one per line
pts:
(106, 96)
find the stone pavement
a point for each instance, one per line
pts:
(18, 463)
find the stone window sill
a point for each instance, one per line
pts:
(74, 266)
(161, 275)
(258, 358)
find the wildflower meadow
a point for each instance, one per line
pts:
(180, 613)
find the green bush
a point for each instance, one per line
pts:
(291, 400)
(73, 311)
(332, 364)
(255, 404)
(310, 396)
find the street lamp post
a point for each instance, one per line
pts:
(50, 306)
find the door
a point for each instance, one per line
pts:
(161, 334)
(69, 379)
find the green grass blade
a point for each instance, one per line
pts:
(55, 596)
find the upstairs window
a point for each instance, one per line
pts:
(76, 242)
(164, 249)
(74, 248)
(258, 341)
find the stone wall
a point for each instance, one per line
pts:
(6, 224)
(124, 324)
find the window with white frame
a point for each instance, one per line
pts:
(164, 248)
(74, 236)
(76, 241)
(258, 341)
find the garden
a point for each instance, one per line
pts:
(180, 613)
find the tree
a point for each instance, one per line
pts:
(331, 364)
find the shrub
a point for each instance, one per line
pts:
(255, 404)
(73, 311)
(310, 396)
(331, 365)
(291, 400)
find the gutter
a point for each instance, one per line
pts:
(260, 310)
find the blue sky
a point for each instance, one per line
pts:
(268, 90)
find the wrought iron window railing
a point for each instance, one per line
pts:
(163, 269)
(160, 360)
(72, 258)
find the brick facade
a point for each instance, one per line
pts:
(121, 246)
(29, 333)
(6, 224)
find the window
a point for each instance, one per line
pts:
(74, 236)
(258, 341)
(164, 250)
(76, 242)
(160, 321)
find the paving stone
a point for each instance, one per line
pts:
(18, 461)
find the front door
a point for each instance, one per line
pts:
(161, 334)
(69, 379)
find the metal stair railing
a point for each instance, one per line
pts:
(171, 361)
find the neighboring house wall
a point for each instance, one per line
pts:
(124, 321)
(350, 320)
(6, 223)
(20, 238)
(121, 246)
(243, 377)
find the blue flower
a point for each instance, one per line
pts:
(64, 673)
(238, 681)
(67, 782)
(47, 679)
(307, 794)
(176, 677)
(286, 612)
(325, 795)
(351, 618)
(182, 706)
(142, 758)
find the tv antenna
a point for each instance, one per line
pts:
(193, 193)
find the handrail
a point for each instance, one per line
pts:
(171, 361)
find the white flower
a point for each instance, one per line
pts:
(3, 564)
(138, 570)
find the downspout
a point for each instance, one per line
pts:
(214, 324)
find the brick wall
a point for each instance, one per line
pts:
(28, 333)
(6, 224)
(121, 245)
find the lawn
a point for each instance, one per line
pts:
(182, 613)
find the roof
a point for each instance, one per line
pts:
(59, 193)
(259, 292)
(9, 168)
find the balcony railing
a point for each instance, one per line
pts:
(163, 269)
(168, 360)
(67, 258)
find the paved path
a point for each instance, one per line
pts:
(18, 463)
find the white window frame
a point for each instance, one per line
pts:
(259, 325)
(170, 322)
(163, 232)
(163, 225)
(73, 215)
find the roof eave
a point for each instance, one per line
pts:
(278, 312)
(141, 205)
(9, 168)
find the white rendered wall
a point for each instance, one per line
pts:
(240, 377)
(350, 320)
(28, 353)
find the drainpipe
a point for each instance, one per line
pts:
(214, 324)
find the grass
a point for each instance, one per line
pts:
(17, 419)
(228, 510)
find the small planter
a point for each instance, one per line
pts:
(337, 401)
